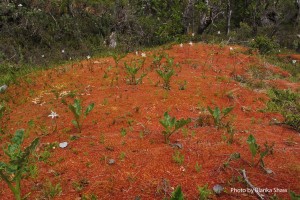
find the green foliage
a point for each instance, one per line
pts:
(13, 171)
(178, 157)
(76, 109)
(204, 192)
(50, 191)
(166, 76)
(252, 146)
(132, 71)
(264, 44)
(218, 115)
(255, 149)
(177, 194)
(288, 104)
(294, 196)
(172, 125)
(117, 58)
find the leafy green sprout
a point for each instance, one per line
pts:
(76, 109)
(18, 165)
(132, 71)
(252, 146)
(172, 125)
(255, 149)
(177, 194)
(204, 192)
(166, 76)
(117, 58)
(218, 115)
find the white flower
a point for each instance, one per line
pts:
(43, 56)
(63, 51)
(181, 45)
(219, 32)
(279, 50)
(88, 57)
(193, 34)
(230, 48)
(143, 55)
(137, 53)
(53, 115)
(294, 61)
(191, 43)
(20, 5)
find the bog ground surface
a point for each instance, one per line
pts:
(124, 126)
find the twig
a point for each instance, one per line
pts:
(252, 186)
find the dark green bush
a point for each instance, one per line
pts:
(264, 44)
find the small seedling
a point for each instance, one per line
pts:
(166, 76)
(204, 192)
(50, 191)
(255, 149)
(198, 167)
(177, 194)
(252, 146)
(117, 58)
(76, 109)
(132, 71)
(218, 115)
(178, 157)
(172, 125)
(13, 171)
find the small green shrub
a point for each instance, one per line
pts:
(218, 115)
(13, 171)
(132, 71)
(166, 76)
(255, 149)
(76, 109)
(177, 194)
(172, 125)
(50, 191)
(264, 44)
(117, 58)
(204, 192)
(178, 157)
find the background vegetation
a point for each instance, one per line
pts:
(43, 32)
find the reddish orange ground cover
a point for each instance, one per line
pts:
(144, 165)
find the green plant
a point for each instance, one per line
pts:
(264, 44)
(122, 156)
(218, 115)
(230, 130)
(252, 146)
(50, 191)
(288, 104)
(76, 109)
(117, 58)
(294, 196)
(198, 167)
(204, 192)
(178, 157)
(132, 71)
(172, 125)
(177, 194)
(157, 58)
(255, 149)
(82, 183)
(13, 171)
(123, 132)
(166, 76)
